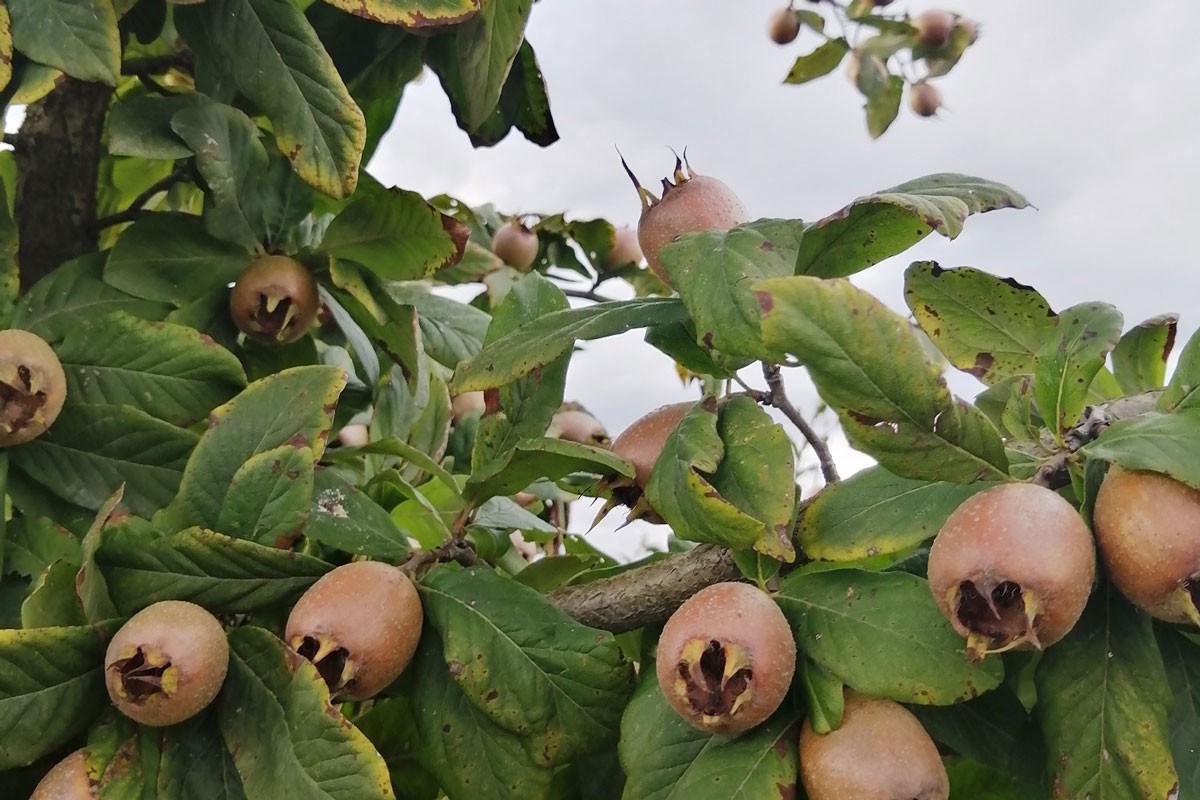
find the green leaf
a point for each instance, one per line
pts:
(6, 46)
(883, 104)
(882, 634)
(139, 124)
(395, 234)
(870, 366)
(1140, 357)
(822, 61)
(344, 518)
(991, 729)
(34, 543)
(193, 761)
(168, 371)
(1182, 392)
(273, 56)
(285, 737)
(410, 13)
(92, 450)
(51, 686)
(471, 756)
(292, 407)
(79, 37)
(451, 331)
(170, 258)
(824, 695)
(90, 584)
(875, 512)
(883, 224)
(219, 572)
(1067, 363)
(486, 45)
(542, 458)
(1103, 700)
(73, 293)
(232, 162)
(989, 327)
(667, 759)
(1181, 659)
(539, 342)
(714, 271)
(269, 497)
(678, 341)
(527, 665)
(52, 601)
(1166, 443)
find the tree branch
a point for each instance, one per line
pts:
(156, 65)
(778, 398)
(647, 595)
(135, 209)
(585, 294)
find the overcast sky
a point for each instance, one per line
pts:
(1089, 109)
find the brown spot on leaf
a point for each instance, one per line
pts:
(765, 301)
(983, 362)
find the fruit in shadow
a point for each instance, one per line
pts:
(359, 625)
(166, 663)
(1012, 567)
(572, 423)
(726, 658)
(274, 300)
(33, 386)
(879, 752)
(934, 28)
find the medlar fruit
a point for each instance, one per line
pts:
(516, 245)
(66, 780)
(1148, 529)
(784, 26)
(571, 423)
(1012, 567)
(924, 99)
(33, 387)
(166, 663)
(625, 249)
(359, 624)
(466, 405)
(880, 752)
(934, 28)
(274, 300)
(726, 658)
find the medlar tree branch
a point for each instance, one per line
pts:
(778, 397)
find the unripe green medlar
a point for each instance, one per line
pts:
(33, 387)
(726, 658)
(274, 300)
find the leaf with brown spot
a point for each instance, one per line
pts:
(411, 13)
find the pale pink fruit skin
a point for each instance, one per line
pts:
(23, 348)
(934, 28)
(698, 204)
(371, 609)
(66, 780)
(880, 752)
(625, 249)
(784, 27)
(1023, 533)
(731, 613)
(466, 404)
(924, 99)
(577, 426)
(516, 245)
(356, 435)
(1148, 529)
(196, 644)
(642, 442)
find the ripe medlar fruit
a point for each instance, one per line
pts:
(356, 435)
(1148, 529)
(625, 249)
(693, 203)
(880, 752)
(359, 625)
(726, 658)
(934, 28)
(784, 26)
(515, 244)
(66, 780)
(641, 444)
(33, 387)
(466, 405)
(1012, 567)
(274, 300)
(924, 99)
(166, 663)
(572, 424)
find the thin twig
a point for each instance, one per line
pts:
(156, 65)
(586, 294)
(135, 210)
(148, 81)
(13, 140)
(778, 398)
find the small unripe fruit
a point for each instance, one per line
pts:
(356, 435)
(577, 425)
(934, 28)
(1148, 529)
(516, 245)
(359, 625)
(924, 99)
(880, 752)
(784, 26)
(274, 300)
(166, 663)
(465, 405)
(1012, 567)
(726, 658)
(66, 780)
(33, 387)
(625, 249)
(642, 442)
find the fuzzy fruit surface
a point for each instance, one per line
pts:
(1148, 529)
(934, 28)
(359, 624)
(1012, 567)
(576, 425)
(516, 245)
(642, 442)
(880, 752)
(699, 203)
(726, 658)
(33, 386)
(66, 780)
(784, 26)
(274, 300)
(625, 249)
(166, 663)
(924, 99)
(466, 405)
